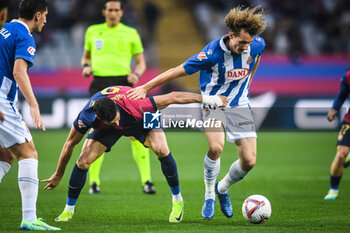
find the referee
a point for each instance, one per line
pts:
(108, 51)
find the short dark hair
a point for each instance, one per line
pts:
(28, 8)
(120, 1)
(106, 109)
(4, 4)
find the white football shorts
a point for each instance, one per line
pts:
(238, 122)
(13, 130)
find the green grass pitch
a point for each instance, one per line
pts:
(292, 171)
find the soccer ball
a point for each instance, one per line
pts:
(256, 209)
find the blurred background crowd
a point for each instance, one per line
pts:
(295, 27)
(62, 41)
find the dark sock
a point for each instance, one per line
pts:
(335, 180)
(169, 169)
(76, 184)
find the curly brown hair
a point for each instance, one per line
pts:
(252, 20)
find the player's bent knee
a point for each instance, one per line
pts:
(24, 151)
(251, 163)
(342, 150)
(83, 166)
(341, 156)
(6, 155)
(33, 154)
(248, 164)
(216, 150)
(161, 152)
(83, 163)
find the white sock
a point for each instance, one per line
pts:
(211, 172)
(28, 185)
(333, 191)
(235, 174)
(4, 168)
(177, 197)
(70, 208)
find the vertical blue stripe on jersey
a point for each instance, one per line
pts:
(234, 102)
(204, 79)
(13, 108)
(237, 63)
(229, 89)
(221, 78)
(12, 93)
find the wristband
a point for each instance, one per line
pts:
(84, 65)
(138, 75)
(212, 100)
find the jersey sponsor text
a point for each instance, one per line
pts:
(237, 74)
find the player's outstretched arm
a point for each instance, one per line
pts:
(162, 101)
(20, 74)
(2, 118)
(73, 139)
(141, 91)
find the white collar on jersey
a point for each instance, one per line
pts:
(23, 23)
(223, 45)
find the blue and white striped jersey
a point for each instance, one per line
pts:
(225, 73)
(15, 42)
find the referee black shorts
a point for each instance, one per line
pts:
(99, 83)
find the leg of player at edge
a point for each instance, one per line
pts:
(156, 140)
(337, 167)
